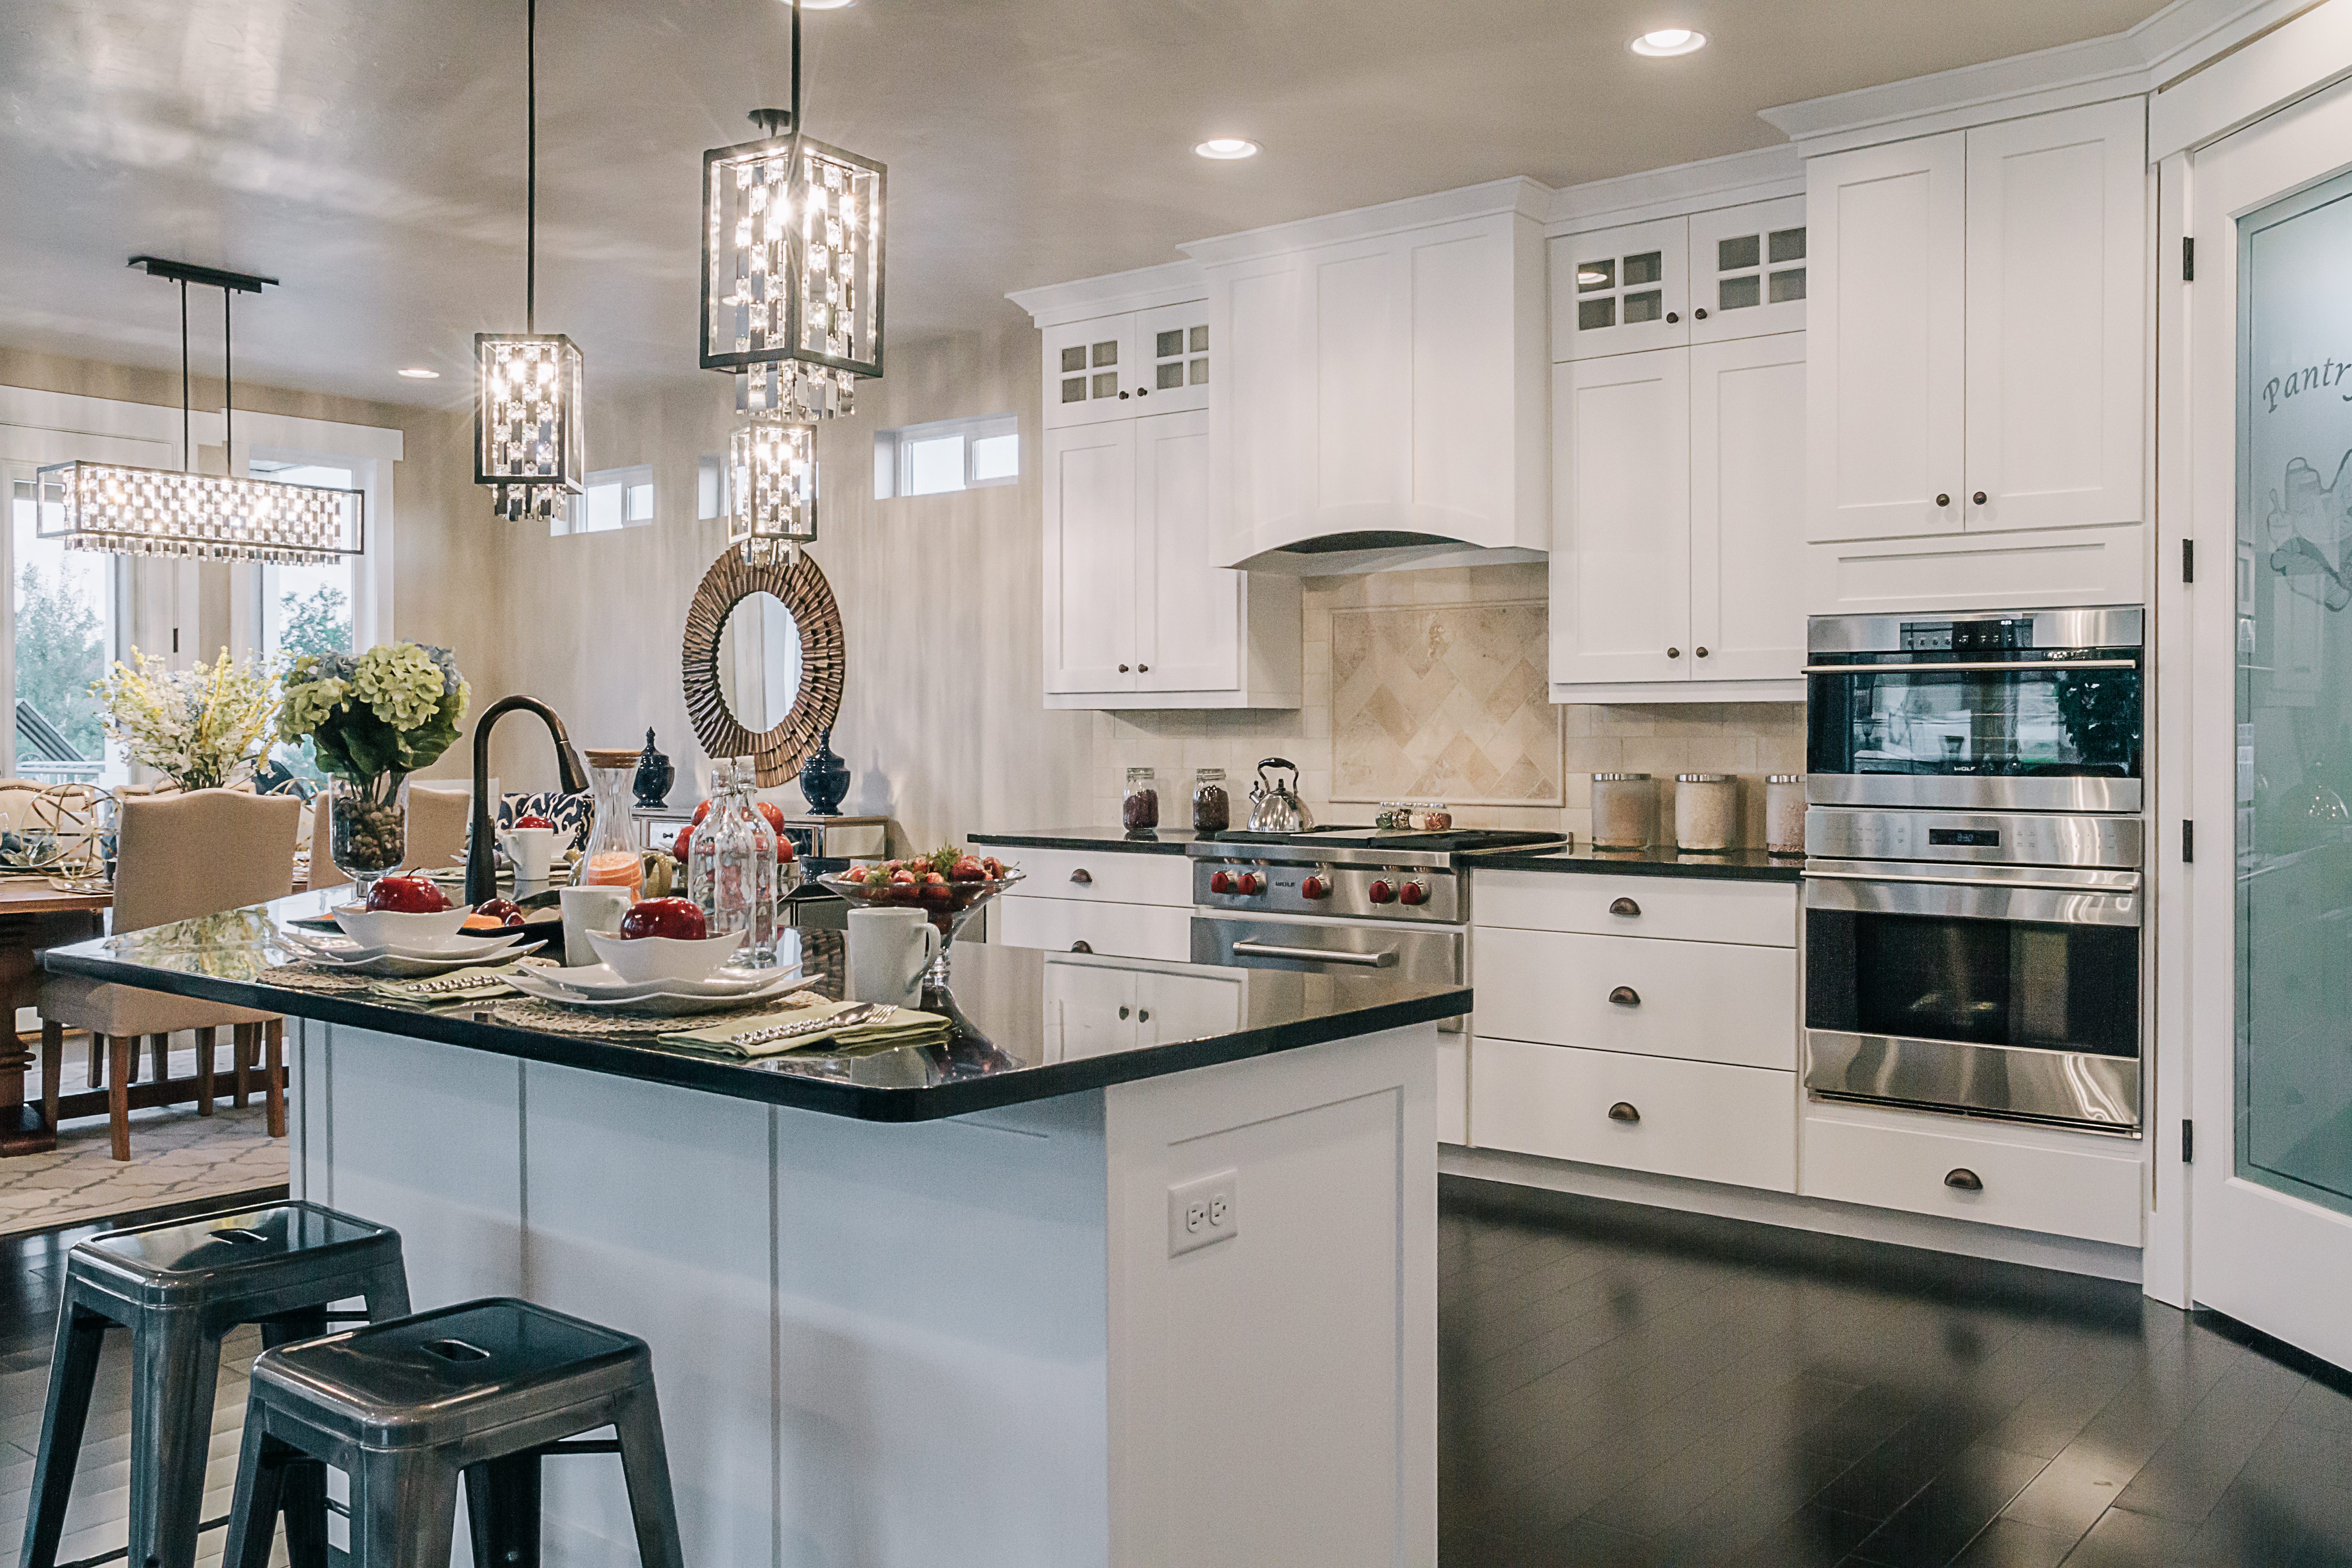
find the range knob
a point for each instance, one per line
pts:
(1221, 881)
(1314, 887)
(1412, 893)
(1381, 893)
(1249, 883)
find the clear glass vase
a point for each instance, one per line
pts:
(732, 868)
(367, 830)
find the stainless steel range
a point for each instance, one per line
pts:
(1337, 899)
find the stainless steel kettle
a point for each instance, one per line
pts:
(1274, 806)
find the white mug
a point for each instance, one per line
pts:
(585, 910)
(888, 951)
(532, 850)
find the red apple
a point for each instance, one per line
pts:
(534, 820)
(506, 911)
(685, 843)
(785, 853)
(407, 896)
(700, 812)
(855, 874)
(774, 814)
(680, 919)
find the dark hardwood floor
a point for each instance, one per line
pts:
(1626, 1388)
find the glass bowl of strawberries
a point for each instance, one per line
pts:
(947, 885)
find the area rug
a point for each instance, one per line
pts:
(176, 1157)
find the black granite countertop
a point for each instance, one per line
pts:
(1735, 866)
(1160, 841)
(1007, 1046)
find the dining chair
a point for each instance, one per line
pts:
(179, 856)
(324, 872)
(438, 816)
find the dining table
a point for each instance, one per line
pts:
(34, 914)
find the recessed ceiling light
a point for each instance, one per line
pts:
(419, 373)
(825, 4)
(1226, 147)
(1667, 41)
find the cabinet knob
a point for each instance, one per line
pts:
(1672, 316)
(1699, 314)
(1122, 397)
(1143, 392)
(1625, 996)
(1623, 1111)
(1122, 1012)
(1674, 653)
(1978, 498)
(1142, 669)
(1961, 1179)
(1943, 498)
(1701, 652)
(1082, 876)
(1123, 669)
(1143, 1014)
(1625, 906)
(1082, 947)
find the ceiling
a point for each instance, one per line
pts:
(369, 152)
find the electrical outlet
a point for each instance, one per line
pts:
(1202, 1211)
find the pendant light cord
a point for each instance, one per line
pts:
(187, 441)
(530, 178)
(228, 387)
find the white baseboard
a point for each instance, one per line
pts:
(1932, 1233)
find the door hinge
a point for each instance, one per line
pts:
(2188, 260)
(2188, 561)
(176, 640)
(2188, 841)
(2188, 1142)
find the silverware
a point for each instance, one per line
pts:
(851, 1019)
(449, 982)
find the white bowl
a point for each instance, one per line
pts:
(390, 927)
(638, 959)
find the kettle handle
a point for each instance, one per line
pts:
(1279, 762)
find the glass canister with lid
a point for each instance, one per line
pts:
(1784, 814)
(1139, 807)
(1213, 808)
(1707, 812)
(1624, 810)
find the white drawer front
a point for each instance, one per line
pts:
(2029, 1183)
(1683, 908)
(1702, 1000)
(1122, 931)
(1117, 876)
(1702, 1120)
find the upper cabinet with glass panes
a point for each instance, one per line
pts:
(1737, 272)
(1128, 365)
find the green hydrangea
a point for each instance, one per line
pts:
(400, 682)
(375, 717)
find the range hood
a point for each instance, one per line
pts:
(1378, 550)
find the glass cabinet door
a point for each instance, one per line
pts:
(1171, 358)
(1091, 370)
(1747, 270)
(1619, 291)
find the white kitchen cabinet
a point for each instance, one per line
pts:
(1129, 365)
(1748, 270)
(1135, 613)
(1073, 925)
(2040, 1179)
(1700, 1001)
(1678, 524)
(1698, 1119)
(1095, 1005)
(1379, 380)
(1981, 330)
(1732, 272)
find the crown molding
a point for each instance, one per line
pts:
(1758, 174)
(1143, 289)
(1518, 196)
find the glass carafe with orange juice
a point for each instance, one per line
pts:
(612, 859)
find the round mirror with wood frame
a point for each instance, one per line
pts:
(776, 753)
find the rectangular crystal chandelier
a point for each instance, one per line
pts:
(205, 517)
(791, 268)
(772, 483)
(526, 421)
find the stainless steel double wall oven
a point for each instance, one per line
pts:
(1973, 898)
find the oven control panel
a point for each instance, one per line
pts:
(2008, 838)
(1341, 891)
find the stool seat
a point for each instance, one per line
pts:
(478, 1392)
(446, 1377)
(180, 1288)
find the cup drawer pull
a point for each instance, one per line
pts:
(1625, 996)
(1623, 1111)
(1961, 1179)
(1082, 876)
(1625, 906)
(1081, 947)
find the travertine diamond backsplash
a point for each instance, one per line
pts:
(1751, 739)
(1443, 703)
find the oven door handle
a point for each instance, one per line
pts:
(1983, 882)
(1974, 666)
(1381, 959)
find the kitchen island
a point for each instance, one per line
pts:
(930, 1305)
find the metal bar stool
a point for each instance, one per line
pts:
(180, 1288)
(484, 1389)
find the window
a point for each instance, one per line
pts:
(615, 498)
(307, 609)
(65, 636)
(947, 455)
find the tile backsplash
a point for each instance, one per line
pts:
(1751, 739)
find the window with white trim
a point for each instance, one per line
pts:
(615, 498)
(947, 455)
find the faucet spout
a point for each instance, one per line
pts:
(481, 864)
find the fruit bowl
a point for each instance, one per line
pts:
(948, 904)
(392, 928)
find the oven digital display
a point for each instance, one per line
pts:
(1967, 637)
(1966, 837)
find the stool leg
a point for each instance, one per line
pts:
(297, 1484)
(387, 1293)
(73, 1372)
(206, 1038)
(502, 1511)
(644, 1465)
(404, 1511)
(272, 1473)
(174, 1372)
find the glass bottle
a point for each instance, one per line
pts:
(731, 866)
(612, 859)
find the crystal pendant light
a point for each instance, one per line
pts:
(202, 517)
(528, 410)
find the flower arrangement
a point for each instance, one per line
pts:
(373, 719)
(202, 728)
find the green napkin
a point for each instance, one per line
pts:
(456, 985)
(905, 1026)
